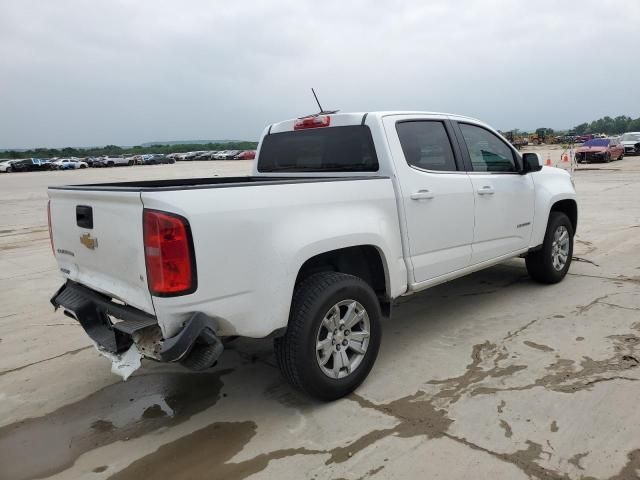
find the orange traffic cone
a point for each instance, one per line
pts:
(565, 157)
(547, 162)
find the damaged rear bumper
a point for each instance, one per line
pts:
(115, 328)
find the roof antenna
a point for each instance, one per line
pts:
(317, 101)
(322, 110)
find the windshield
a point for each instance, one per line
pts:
(597, 142)
(631, 137)
(333, 149)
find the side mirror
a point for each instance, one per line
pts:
(531, 162)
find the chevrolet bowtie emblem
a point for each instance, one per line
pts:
(87, 241)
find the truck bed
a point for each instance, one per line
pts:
(208, 182)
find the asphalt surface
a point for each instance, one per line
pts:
(489, 376)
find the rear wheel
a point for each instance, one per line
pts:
(333, 335)
(607, 157)
(551, 263)
(9, 170)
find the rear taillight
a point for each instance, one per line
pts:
(50, 229)
(316, 121)
(168, 253)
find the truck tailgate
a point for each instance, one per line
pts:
(98, 242)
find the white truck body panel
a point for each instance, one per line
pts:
(251, 242)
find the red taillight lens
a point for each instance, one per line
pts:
(168, 252)
(50, 229)
(312, 122)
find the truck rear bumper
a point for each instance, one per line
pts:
(115, 327)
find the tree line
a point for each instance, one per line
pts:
(606, 125)
(113, 150)
(610, 126)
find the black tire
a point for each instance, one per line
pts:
(83, 166)
(296, 350)
(540, 263)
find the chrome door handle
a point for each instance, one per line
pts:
(422, 195)
(486, 190)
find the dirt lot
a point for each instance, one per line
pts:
(489, 376)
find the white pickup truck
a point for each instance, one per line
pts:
(343, 214)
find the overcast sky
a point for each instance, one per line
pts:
(80, 73)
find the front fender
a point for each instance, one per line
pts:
(551, 185)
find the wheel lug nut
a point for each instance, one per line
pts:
(347, 332)
(341, 327)
(335, 332)
(344, 342)
(338, 347)
(333, 342)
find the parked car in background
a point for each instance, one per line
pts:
(68, 164)
(584, 138)
(599, 150)
(246, 155)
(226, 154)
(115, 161)
(99, 162)
(30, 165)
(221, 155)
(5, 166)
(155, 159)
(567, 139)
(203, 155)
(190, 156)
(631, 143)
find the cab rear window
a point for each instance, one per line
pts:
(332, 149)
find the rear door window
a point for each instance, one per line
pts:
(331, 149)
(426, 145)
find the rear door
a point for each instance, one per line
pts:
(98, 242)
(504, 199)
(436, 194)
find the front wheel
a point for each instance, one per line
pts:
(333, 335)
(551, 263)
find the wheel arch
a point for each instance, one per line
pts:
(364, 261)
(570, 208)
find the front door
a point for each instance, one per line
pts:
(436, 194)
(504, 203)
